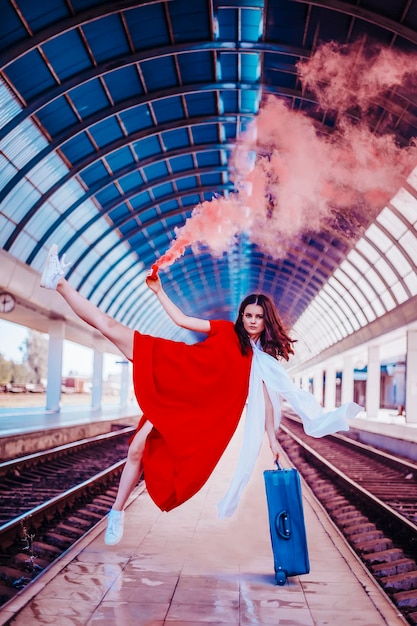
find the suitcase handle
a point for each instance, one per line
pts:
(283, 525)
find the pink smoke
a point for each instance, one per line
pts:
(345, 76)
(289, 177)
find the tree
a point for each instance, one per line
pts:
(36, 356)
(20, 374)
(5, 370)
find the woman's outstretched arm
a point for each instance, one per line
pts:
(175, 313)
(269, 424)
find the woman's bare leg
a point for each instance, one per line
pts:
(130, 476)
(119, 334)
(133, 468)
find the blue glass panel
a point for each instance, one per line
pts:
(147, 147)
(119, 159)
(286, 23)
(45, 173)
(208, 195)
(173, 139)
(69, 193)
(147, 26)
(12, 29)
(181, 163)
(106, 132)
(249, 101)
(160, 240)
(187, 183)
(106, 37)
(139, 241)
(160, 191)
(131, 181)
(246, 120)
(372, 32)
(230, 100)
(94, 173)
(20, 200)
(30, 75)
(40, 14)
(22, 245)
(230, 130)
(197, 67)
(282, 79)
(137, 118)
(251, 25)
(168, 109)
(123, 83)
(7, 171)
(9, 107)
(190, 20)
(279, 61)
(250, 68)
(57, 116)
(159, 73)
(228, 24)
(67, 54)
(142, 199)
(89, 98)
(205, 134)
(170, 205)
(229, 63)
(129, 227)
(156, 170)
(202, 103)
(191, 200)
(208, 180)
(120, 213)
(174, 221)
(107, 195)
(78, 148)
(153, 229)
(209, 158)
(147, 215)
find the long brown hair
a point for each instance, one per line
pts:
(274, 338)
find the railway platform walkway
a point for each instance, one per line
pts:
(27, 430)
(188, 568)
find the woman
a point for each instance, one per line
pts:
(192, 396)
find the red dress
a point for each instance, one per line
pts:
(194, 396)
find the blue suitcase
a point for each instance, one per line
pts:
(286, 523)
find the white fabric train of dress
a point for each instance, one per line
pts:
(316, 421)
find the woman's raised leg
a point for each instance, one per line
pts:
(53, 278)
(129, 478)
(119, 334)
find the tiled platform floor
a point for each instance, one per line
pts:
(189, 568)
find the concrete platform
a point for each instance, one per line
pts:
(28, 430)
(189, 568)
(387, 431)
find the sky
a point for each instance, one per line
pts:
(76, 359)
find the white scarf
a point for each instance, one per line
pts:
(316, 423)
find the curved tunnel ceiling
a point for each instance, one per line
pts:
(118, 118)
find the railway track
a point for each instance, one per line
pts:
(50, 499)
(372, 497)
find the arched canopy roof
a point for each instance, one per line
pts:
(118, 118)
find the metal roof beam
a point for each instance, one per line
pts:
(364, 14)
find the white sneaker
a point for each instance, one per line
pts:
(54, 268)
(114, 530)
